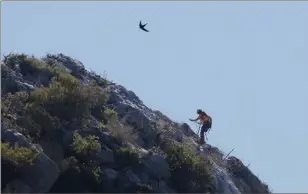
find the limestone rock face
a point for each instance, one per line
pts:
(105, 157)
(41, 176)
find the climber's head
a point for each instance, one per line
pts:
(199, 111)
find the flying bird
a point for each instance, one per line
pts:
(141, 26)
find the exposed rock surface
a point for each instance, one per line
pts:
(135, 153)
(37, 178)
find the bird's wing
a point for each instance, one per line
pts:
(145, 29)
(140, 24)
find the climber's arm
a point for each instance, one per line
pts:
(194, 119)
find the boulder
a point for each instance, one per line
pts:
(156, 166)
(187, 130)
(105, 157)
(13, 82)
(42, 175)
(132, 177)
(17, 186)
(110, 174)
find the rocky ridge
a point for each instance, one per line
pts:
(84, 133)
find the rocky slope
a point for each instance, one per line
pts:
(65, 129)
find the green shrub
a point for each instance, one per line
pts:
(97, 172)
(31, 128)
(126, 157)
(13, 59)
(65, 102)
(18, 156)
(189, 172)
(67, 81)
(102, 82)
(30, 65)
(67, 99)
(99, 99)
(85, 145)
(12, 108)
(142, 188)
(14, 103)
(101, 126)
(28, 118)
(91, 171)
(79, 178)
(44, 123)
(111, 115)
(92, 174)
(35, 64)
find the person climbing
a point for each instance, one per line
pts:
(206, 124)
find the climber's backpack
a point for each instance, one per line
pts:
(210, 119)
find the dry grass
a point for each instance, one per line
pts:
(123, 132)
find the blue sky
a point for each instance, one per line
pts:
(244, 63)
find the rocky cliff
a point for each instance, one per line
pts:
(65, 129)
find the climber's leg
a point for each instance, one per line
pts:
(204, 129)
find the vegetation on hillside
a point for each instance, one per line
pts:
(189, 171)
(63, 106)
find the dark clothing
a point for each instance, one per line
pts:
(205, 127)
(207, 124)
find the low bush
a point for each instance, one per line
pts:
(17, 155)
(13, 59)
(142, 188)
(189, 172)
(65, 98)
(14, 103)
(85, 146)
(68, 99)
(65, 103)
(111, 116)
(13, 109)
(126, 157)
(123, 133)
(79, 178)
(29, 65)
